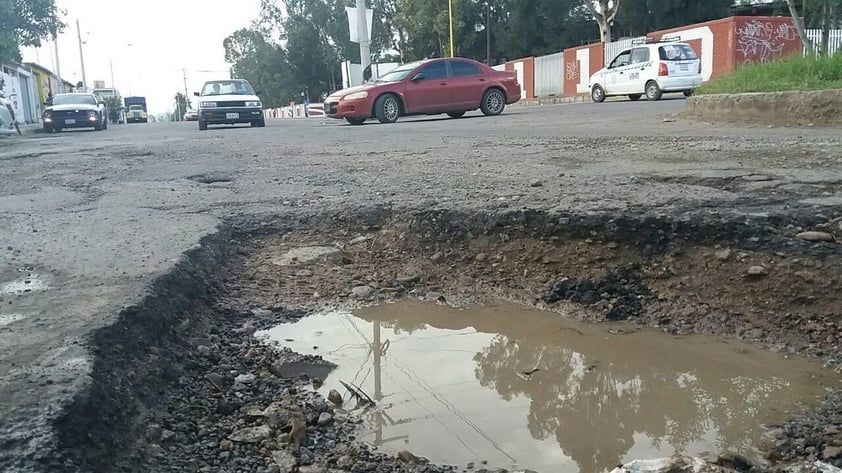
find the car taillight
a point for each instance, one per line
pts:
(663, 70)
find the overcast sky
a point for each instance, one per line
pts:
(165, 35)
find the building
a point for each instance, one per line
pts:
(27, 86)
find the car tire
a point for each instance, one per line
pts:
(261, 123)
(98, 126)
(493, 102)
(456, 114)
(48, 129)
(203, 125)
(355, 120)
(597, 94)
(635, 97)
(387, 108)
(105, 124)
(689, 92)
(653, 91)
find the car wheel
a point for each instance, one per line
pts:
(456, 114)
(635, 97)
(261, 123)
(48, 129)
(688, 92)
(202, 125)
(653, 91)
(493, 102)
(387, 108)
(598, 94)
(98, 126)
(355, 120)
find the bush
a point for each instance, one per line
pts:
(791, 73)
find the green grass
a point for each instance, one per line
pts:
(792, 73)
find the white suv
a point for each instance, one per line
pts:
(649, 68)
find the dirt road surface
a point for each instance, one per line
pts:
(89, 219)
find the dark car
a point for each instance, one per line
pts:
(76, 110)
(452, 86)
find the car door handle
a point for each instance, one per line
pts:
(482, 80)
(443, 83)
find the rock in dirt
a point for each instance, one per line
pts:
(536, 184)
(830, 453)
(220, 381)
(284, 460)
(436, 256)
(334, 397)
(325, 418)
(411, 279)
(481, 257)
(362, 292)
(408, 457)
(435, 297)
(251, 434)
(723, 255)
(345, 461)
(226, 445)
(815, 236)
(757, 272)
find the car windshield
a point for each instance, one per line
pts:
(74, 99)
(676, 52)
(227, 87)
(399, 73)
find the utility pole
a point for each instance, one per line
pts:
(58, 65)
(81, 56)
(450, 19)
(488, 32)
(362, 30)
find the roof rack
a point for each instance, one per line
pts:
(663, 39)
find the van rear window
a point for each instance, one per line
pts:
(676, 52)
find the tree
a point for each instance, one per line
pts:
(603, 12)
(799, 25)
(114, 105)
(641, 17)
(26, 23)
(181, 106)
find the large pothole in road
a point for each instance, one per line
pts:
(511, 386)
(508, 387)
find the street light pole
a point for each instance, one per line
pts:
(58, 65)
(450, 15)
(362, 29)
(81, 56)
(488, 32)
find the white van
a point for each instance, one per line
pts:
(649, 68)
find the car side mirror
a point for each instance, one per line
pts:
(196, 94)
(418, 77)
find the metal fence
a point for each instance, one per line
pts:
(834, 43)
(614, 48)
(549, 75)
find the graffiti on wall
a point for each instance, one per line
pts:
(571, 70)
(759, 41)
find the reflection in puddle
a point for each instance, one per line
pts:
(33, 282)
(455, 386)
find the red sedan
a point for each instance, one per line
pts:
(452, 86)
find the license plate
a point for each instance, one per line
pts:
(232, 116)
(684, 67)
(70, 121)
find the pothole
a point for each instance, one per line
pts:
(508, 387)
(209, 179)
(488, 386)
(29, 283)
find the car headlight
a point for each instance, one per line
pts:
(356, 96)
(209, 104)
(254, 104)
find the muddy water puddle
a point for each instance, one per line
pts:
(506, 387)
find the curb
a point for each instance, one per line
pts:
(819, 107)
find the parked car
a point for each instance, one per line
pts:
(649, 68)
(75, 110)
(191, 116)
(453, 86)
(228, 102)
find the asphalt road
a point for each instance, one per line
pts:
(90, 218)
